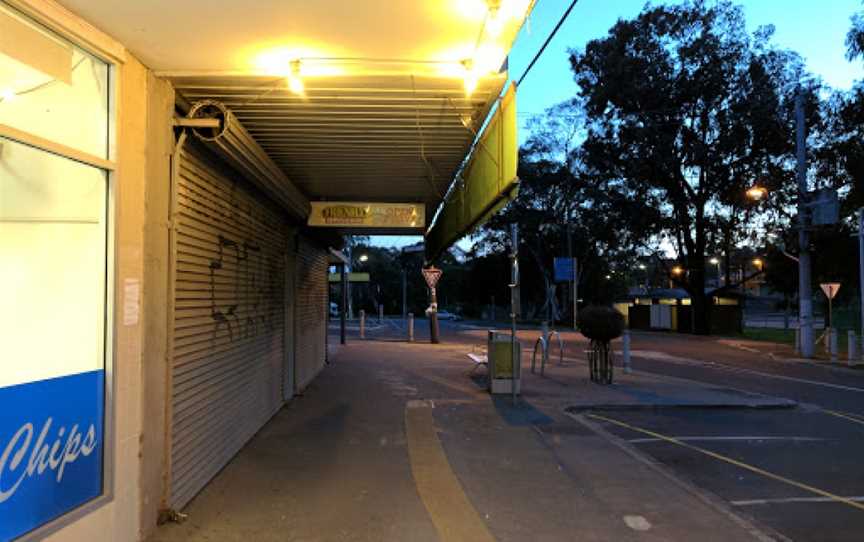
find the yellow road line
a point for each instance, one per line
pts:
(731, 461)
(454, 516)
(851, 417)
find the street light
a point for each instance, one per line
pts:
(758, 263)
(757, 193)
(642, 267)
(677, 270)
(363, 258)
(716, 261)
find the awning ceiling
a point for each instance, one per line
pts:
(378, 138)
(387, 106)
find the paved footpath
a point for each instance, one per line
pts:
(396, 442)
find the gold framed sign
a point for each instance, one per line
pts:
(355, 214)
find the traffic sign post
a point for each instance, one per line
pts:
(432, 275)
(830, 290)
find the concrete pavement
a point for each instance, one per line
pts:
(395, 441)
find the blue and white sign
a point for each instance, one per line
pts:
(50, 449)
(565, 269)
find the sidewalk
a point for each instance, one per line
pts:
(395, 442)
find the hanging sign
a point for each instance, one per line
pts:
(830, 289)
(353, 214)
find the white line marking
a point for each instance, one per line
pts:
(637, 523)
(756, 502)
(720, 439)
(660, 356)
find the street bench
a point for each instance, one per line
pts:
(480, 360)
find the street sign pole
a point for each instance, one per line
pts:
(431, 274)
(515, 306)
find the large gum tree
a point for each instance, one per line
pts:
(687, 110)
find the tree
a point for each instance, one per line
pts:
(685, 111)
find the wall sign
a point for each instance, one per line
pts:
(353, 214)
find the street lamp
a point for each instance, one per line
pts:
(364, 258)
(716, 261)
(758, 263)
(677, 270)
(757, 193)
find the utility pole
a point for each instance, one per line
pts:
(861, 266)
(404, 294)
(574, 287)
(805, 294)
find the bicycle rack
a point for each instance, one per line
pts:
(543, 343)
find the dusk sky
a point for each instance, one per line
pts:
(815, 29)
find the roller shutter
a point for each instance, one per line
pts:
(311, 311)
(228, 320)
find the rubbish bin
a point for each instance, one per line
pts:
(501, 353)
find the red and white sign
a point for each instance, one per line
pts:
(830, 289)
(431, 274)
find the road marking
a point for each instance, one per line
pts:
(756, 502)
(451, 511)
(845, 415)
(660, 356)
(740, 464)
(721, 439)
(637, 523)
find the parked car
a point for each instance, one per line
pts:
(334, 310)
(444, 315)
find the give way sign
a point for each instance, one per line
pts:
(830, 289)
(431, 274)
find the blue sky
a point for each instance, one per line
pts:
(814, 28)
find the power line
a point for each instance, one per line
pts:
(548, 39)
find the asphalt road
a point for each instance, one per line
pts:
(799, 472)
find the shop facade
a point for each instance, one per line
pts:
(162, 293)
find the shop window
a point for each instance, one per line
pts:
(55, 276)
(50, 88)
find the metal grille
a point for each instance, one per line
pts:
(311, 312)
(228, 343)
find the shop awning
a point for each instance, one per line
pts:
(485, 185)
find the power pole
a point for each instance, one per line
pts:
(861, 267)
(574, 285)
(404, 294)
(805, 294)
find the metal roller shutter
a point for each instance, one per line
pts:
(311, 311)
(228, 319)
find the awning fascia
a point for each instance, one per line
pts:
(485, 185)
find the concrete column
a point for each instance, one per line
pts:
(362, 324)
(852, 343)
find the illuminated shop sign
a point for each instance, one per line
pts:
(367, 215)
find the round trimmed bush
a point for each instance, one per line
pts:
(601, 323)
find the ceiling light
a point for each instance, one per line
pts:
(295, 83)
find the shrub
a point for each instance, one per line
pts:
(601, 323)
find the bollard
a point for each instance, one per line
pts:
(852, 342)
(410, 327)
(832, 338)
(362, 324)
(797, 341)
(381, 313)
(626, 348)
(544, 329)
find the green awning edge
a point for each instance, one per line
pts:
(487, 183)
